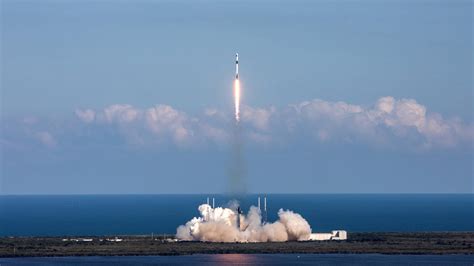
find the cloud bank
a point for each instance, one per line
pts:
(387, 121)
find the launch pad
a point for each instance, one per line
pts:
(230, 224)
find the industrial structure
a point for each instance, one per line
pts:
(334, 235)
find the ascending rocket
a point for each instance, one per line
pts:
(236, 65)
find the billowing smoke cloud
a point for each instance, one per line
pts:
(220, 225)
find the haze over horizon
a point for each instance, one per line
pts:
(136, 98)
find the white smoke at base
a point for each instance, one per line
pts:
(219, 225)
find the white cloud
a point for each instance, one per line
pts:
(389, 117)
(319, 109)
(86, 115)
(122, 113)
(211, 112)
(389, 121)
(408, 113)
(163, 119)
(216, 134)
(258, 117)
(385, 104)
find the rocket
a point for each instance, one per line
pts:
(236, 65)
(239, 212)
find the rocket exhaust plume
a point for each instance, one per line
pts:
(237, 100)
(237, 168)
(229, 224)
(220, 225)
(237, 89)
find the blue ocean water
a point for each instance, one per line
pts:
(251, 259)
(144, 214)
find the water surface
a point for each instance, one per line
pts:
(144, 214)
(252, 259)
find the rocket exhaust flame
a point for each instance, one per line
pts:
(237, 99)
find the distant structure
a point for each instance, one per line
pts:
(264, 212)
(265, 217)
(334, 235)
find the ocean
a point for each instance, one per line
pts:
(251, 259)
(80, 215)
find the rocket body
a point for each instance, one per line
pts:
(236, 66)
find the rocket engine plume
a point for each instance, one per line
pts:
(237, 99)
(237, 185)
(237, 89)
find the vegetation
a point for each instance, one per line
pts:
(384, 243)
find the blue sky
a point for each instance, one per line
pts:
(136, 97)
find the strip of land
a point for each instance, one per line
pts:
(383, 243)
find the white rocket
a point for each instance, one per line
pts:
(236, 65)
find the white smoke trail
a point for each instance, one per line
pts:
(219, 225)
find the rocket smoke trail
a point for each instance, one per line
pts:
(237, 170)
(229, 224)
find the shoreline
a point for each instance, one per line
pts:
(415, 243)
